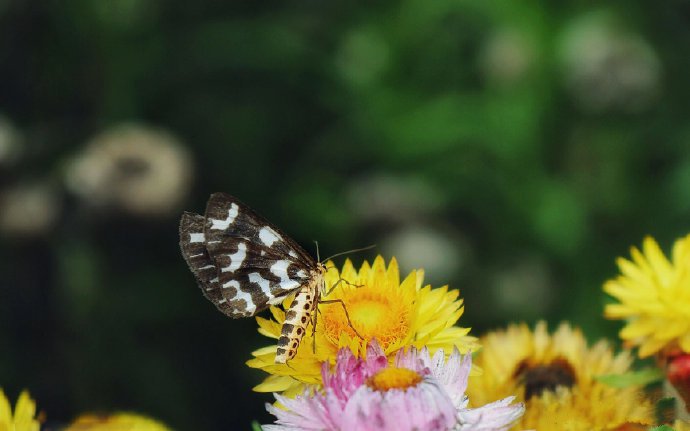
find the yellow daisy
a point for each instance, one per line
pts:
(654, 297)
(23, 418)
(398, 314)
(556, 375)
(116, 422)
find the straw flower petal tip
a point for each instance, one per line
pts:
(654, 298)
(23, 417)
(417, 392)
(398, 314)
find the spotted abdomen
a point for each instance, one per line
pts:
(297, 318)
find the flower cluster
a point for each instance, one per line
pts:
(385, 354)
(406, 372)
(399, 314)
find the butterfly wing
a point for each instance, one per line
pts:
(242, 262)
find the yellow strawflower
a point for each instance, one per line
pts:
(397, 314)
(654, 295)
(556, 377)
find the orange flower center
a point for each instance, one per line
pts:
(393, 378)
(373, 314)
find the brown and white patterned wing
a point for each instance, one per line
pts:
(193, 246)
(255, 264)
(227, 217)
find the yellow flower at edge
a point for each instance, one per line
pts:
(23, 418)
(397, 314)
(116, 422)
(556, 377)
(654, 297)
(681, 426)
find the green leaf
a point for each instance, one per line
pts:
(662, 428)
(256, 426)
(635, 378)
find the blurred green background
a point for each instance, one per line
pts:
(513, 149)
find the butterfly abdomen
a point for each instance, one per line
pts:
(297, 319)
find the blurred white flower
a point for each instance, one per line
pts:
(515, 286)
(441, 254)
(388, 198)
(606, 67)
(506, 57)
(28, 210)
(134, 168)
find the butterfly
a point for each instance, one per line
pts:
(243, 264)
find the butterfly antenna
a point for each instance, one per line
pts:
(317, 251)
(369, 247)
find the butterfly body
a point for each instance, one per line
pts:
(243, 264)
(298, 316)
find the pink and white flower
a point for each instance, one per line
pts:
(418, 392)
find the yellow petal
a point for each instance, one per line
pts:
(618, 311)
(630, 270)
(669, 329)
(393, 272)
(5, 411)
(650, 346)
(660, 265)
(274, 384)
(348, 273)
(264, 351)
(638, 328)
(25, 409)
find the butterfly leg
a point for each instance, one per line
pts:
(313, 330)
(347, 315)
(332, 288)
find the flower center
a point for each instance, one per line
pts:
(132, 166)
(538, 378)
(368, 313)
(380, 315)
(393, 378)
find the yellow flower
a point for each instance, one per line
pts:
(23, 417)
(398, 314)
(681, 426)
(654, 297)
(116, 422)
(556, 375)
